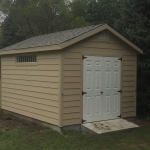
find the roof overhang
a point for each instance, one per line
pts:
(73, 41)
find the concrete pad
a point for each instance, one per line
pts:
(108, 126)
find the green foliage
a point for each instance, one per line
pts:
(79, 22)
(0, 37)
(102, 11)
(79, 8)
(27, 18)
(134, 23)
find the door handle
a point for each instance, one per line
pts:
(102, 92)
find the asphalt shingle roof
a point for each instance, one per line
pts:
(51, 39)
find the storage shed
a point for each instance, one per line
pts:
(64, 79)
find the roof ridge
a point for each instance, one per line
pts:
(98, 25)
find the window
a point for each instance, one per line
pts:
(26, 59)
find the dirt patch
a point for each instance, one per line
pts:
(8, 122)
(141, 122)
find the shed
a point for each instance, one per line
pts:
(64, 79)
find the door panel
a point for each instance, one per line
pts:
(92, 85)
(88, 106)
(101, 82)
(111, 87)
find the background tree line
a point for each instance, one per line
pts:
(27, 18)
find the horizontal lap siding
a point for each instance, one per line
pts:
(129, 86)
(72, 76)
(33, 89)
(72, 88)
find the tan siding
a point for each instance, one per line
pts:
(128, 109)
(49, 111)
(128, 89)
(129, 79)
(129, 63)
(71, 109)
(31, 72)
(72, 61)
(72, 116)
(128, 104)
(127, 84)
(71, 55)
(128, 57)
(129, 114)
(33, 99)
(72, 67)
(43, 67)
(127, 94)
(67, 122)
(72, 104)
(72, 98)
(127, 99)
(30, 114)
(113, 46)
(128, 68)
(104, 51)
(52, 91)
(135, 84)
(128, 73)
(33, 83)
(32, 89)
(72, 85)
(32, 78)
(31, 94)
(72, 88)
(72, 92)
(72, 79)
(72, 75)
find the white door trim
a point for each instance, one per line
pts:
(93, 101)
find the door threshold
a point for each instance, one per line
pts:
(108, 126)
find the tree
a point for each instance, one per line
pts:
(103, 11)
(79, 8)
(27, 18)
(0, 37)
(134, 24)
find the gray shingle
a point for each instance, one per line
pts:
(51, 39)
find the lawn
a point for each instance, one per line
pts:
(20, 135)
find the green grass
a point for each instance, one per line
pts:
(39, 138)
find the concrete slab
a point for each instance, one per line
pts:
(108, 126)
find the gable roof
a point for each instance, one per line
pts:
(51, 39)
(60, 40)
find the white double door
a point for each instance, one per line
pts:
(101, 83)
